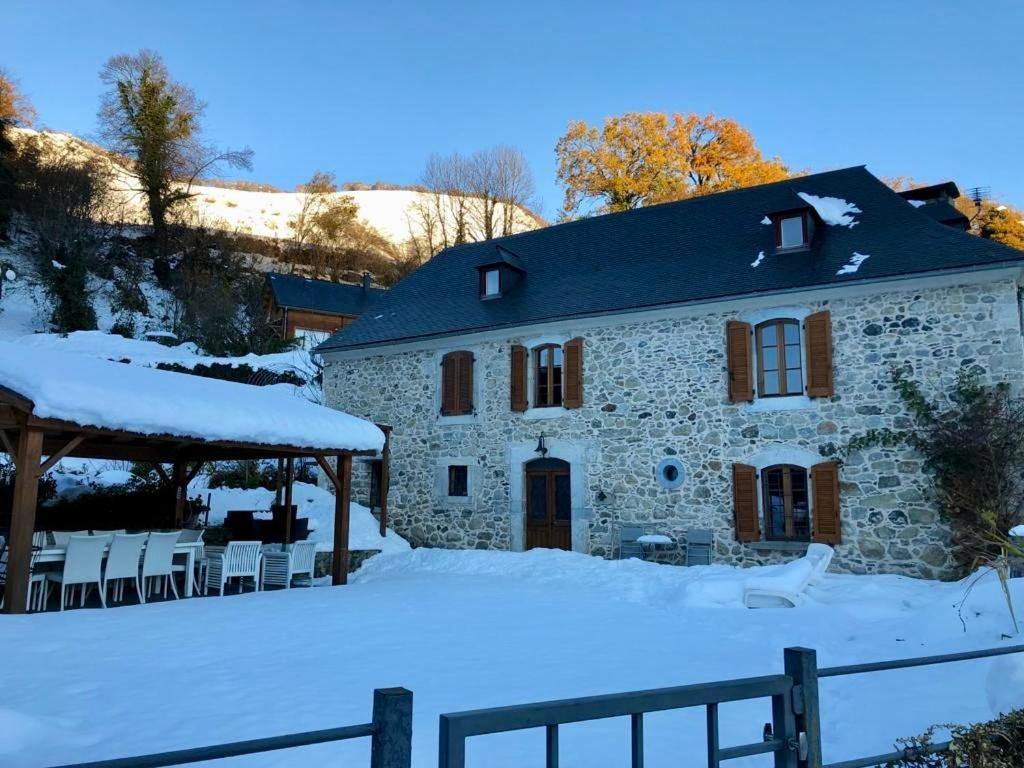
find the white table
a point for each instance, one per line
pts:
(51, 554)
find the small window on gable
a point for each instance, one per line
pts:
(491, 282)
(792, 230)
(458, 480)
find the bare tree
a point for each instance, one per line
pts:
(155, 121)
(15, 108)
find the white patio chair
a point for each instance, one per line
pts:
(280, 571)
(240, 559)
(109, 533)
(123, 563)
(36, 579)
(189, 535)
(60, 538)
(158, 561)
(783, 587)
(820, 556)
(83, 566)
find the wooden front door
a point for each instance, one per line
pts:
(548, 504)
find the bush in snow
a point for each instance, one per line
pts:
(67, 285)
(972, 442)
(996, 744)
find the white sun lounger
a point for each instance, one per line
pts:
(782, 588)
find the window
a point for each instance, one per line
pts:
(547, 362)
(376, 468)
(792, 232)
(785, 502)
(458, 480)
(491, 282)
(457, 384)
(310, 338)
(778, 359)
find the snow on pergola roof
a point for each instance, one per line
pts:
(99, 394)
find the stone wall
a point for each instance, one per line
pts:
(657, 388)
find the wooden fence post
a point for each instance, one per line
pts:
(801, 664)
(392, 728)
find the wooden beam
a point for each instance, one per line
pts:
(385, 480)
(339, 565)
(289, 479)
(161, 472)
(9, 446)
(328, 469)
(193, 472)
(53, 458)
(23, 520)
(180, 491)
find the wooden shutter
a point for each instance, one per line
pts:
(825, 510)
(465, 382)
(572, 373)
(818, 343)
(449, 384)
(744, 501)
(518, 377)
(457, 384)
(739, 360)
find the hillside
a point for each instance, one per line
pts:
(399, 215)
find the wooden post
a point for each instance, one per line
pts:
(23, 519)
(392, 728)
(179, 478)
(278, 482)
(342, 493)
(385, 481)
(289, 478)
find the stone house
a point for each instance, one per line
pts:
(691, 365)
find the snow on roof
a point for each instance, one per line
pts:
(99, 393)
(854, 263)
(141, 352)
(833, 210)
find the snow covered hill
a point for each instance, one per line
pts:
(396, 214)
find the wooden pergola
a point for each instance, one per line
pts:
(36, 444)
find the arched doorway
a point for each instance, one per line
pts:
(548, 504)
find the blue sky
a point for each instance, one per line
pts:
(368, 90)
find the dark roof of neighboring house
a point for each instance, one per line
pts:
(694, 250)
(945, 212)
(304, 293)
(931, 192)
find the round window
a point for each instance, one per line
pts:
(670, 473)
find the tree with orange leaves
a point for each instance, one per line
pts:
(642, 158)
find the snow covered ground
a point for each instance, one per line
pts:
(473, 629)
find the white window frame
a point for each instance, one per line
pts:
(783, 245)
(488, 273)
(547, 411)
(786, 402)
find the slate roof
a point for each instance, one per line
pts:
(688, 251)
(304, 293)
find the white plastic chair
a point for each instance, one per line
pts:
(60, 538)
(280, 571)
(109, 533)
(158, 561)
(36, 579)
(123, 563)
(83, 566)
(189, 535)
(783, 587)
(240, 559)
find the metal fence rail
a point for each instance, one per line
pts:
(456, 727)
(814, 758)
(390, 731)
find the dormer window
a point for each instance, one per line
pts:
(792, 230)
(491, 282)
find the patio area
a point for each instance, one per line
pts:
(473, 629)
(54, 406)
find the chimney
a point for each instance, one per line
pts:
(366, 282)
